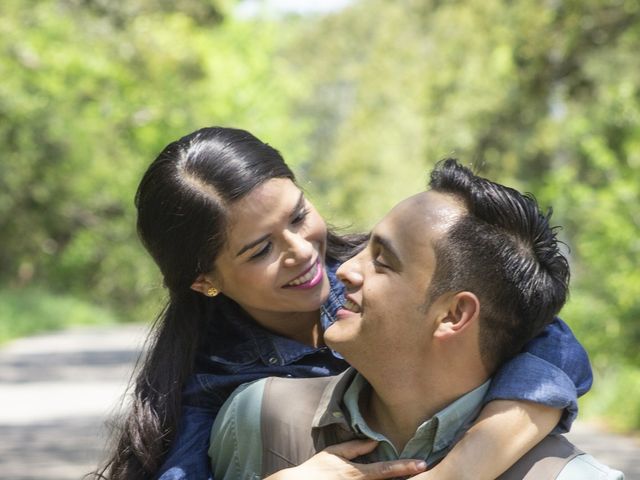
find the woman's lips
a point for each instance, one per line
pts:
(309, 279)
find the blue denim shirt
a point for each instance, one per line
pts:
(553, 370)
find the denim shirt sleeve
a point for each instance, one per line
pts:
(187, 458)
(553, 369)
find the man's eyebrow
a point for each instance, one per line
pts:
(387, 247)
(298, 206)
(258, 241)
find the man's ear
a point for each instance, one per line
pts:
(460, 312)
(203, 284)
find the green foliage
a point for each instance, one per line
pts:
(92, 91)
(28, 311)
(617, 398)
(543, 96)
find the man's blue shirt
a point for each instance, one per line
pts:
(553, 370)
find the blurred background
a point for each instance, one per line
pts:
(361, 97)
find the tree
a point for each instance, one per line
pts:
(543, 96)
(91, 92)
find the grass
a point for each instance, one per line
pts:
(29, 311)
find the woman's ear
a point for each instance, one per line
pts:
(204, 284)
(463, 309)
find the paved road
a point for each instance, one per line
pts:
(56, 391)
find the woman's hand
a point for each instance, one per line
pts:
(333, 463)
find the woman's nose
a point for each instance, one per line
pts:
(299, 249)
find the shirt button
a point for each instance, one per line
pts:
(337, 414)
(273, 360)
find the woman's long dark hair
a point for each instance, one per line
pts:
(182, 204)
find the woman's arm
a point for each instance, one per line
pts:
(553, 369)
(333, 463)
(504, 432)
(530, 395)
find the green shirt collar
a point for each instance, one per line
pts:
(340, 404)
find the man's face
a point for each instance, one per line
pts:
(387, 283)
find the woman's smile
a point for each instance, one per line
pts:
(309, 279)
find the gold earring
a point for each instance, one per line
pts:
(212, 292)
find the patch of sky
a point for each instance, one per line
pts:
(255, 8)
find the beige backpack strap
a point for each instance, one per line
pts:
(544, 461)
(288, 408)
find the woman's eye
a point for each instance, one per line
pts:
(263, 251)
(300, 217)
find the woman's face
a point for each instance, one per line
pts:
(273, 260)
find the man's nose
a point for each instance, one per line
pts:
(350, 273)
(299, 249)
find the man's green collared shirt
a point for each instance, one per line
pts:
(236, 440)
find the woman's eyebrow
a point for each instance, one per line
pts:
(250, 245)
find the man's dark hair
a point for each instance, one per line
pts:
(505, 252)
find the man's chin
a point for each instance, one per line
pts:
(333, 337)
(329, 339)
(338, 340)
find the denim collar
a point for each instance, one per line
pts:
(336, 296)
(253, 341)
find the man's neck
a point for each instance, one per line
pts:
(396, 408)
(397, 413)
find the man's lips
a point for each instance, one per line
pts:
(309, 278)
(349, 307)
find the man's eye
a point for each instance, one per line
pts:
(378, 264)
(299, 218)
(266, 249)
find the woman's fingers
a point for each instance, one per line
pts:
(395, 468)
(352, 448)
(372, 471)
(334, 463)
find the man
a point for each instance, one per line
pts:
(453, 282)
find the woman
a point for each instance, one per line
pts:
(249, 266)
